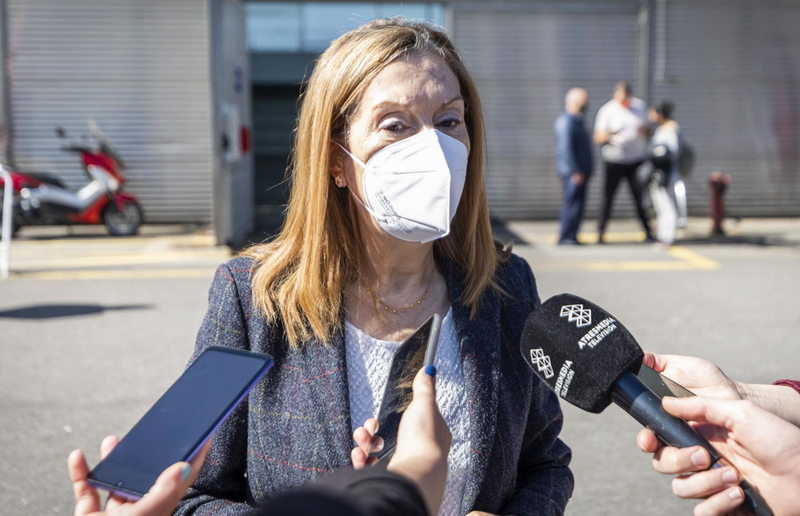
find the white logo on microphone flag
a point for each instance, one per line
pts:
(577, 314)
(542, 362)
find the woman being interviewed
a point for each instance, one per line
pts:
(387, 224)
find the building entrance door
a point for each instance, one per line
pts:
(274, 113)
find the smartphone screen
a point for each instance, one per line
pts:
(415, 353)
(181, 421)
(661, 385)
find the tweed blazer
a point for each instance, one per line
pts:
(295, 425)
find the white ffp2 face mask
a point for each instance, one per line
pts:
(412, 187)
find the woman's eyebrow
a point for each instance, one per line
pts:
(388, 104)
(453, 100)
(392, 104)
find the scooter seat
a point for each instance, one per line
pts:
(46, 178)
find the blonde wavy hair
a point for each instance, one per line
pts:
(300, 277)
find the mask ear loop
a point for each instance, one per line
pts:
(355, 196)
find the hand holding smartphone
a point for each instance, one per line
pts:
(181, 421)
(417, 352)
(160, 500)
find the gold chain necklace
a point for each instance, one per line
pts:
(402, 309)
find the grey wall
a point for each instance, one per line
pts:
(524, 56)
(731, 67)
(733, 70)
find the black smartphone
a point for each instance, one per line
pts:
(418, 351)
(661, 385)
(181, 421)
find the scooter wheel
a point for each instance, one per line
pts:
(124, 221)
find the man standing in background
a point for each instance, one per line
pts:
(621, 128)
(573, 162)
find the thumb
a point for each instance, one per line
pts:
(725, 413)
(424, 385)
(168, 490)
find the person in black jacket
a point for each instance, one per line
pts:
(573, 162)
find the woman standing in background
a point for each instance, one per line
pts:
(664, 155)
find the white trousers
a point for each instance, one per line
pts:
(666, 213)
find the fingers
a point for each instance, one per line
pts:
(108, 444)
(366, 441)
(165, 494)
(705, 483)
(360, 459)
(77, 467)
(371, 425)
(656, 361)
(677, 461)
(720, 503)
(647, 441)
(87, 500)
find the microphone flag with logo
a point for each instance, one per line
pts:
(579, 349)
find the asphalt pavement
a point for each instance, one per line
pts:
(93, 330)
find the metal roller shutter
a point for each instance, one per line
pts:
(732, 69)
(524, 57)
(140, 68)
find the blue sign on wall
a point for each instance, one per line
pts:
(238, 79)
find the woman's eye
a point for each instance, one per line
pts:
(393, 127)
(450, 123)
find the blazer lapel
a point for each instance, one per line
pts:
(479, 339)
(330, 396)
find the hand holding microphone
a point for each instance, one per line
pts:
(760, 445)
(747, 428)
(590, 359)
(704, 378)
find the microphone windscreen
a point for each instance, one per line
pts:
(579, 350)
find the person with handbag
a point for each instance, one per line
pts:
(664, 157)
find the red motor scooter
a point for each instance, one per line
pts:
(41, 199)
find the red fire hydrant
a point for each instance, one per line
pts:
(719, 183)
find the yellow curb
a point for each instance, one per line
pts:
(81, 262)
(695, 259)
(115, 274)
(188, 240)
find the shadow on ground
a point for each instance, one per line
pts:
(767, 240)
(502, 233)
(98, 232)
(267, 231)
(65, 310)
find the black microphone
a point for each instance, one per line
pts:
(590, 359)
